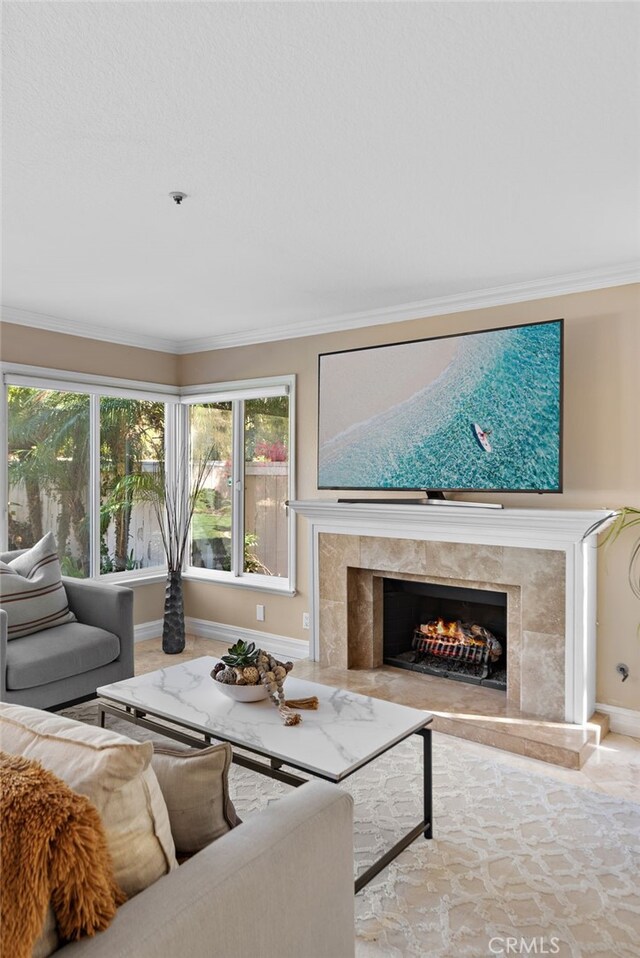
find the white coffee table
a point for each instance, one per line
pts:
(345, 733)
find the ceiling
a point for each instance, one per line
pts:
(341, 160)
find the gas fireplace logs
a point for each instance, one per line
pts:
(467, 643)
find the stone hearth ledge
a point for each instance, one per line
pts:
(476, 714)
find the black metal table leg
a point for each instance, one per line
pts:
(425, 827)
(427, 782)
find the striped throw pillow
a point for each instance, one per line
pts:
(31, 590)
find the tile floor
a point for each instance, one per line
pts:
(613, 768)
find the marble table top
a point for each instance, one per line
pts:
(343, 734)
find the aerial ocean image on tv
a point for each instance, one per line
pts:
(489, 419)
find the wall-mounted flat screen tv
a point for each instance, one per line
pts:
(470, 412)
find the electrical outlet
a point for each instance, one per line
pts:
(306, 620)
(260, 613)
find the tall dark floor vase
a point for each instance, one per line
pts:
(173, 626)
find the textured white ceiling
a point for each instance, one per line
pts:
(338, 157)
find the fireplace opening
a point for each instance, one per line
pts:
(454, 633)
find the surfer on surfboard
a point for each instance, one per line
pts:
(482, 435)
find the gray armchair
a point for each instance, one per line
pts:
(67, 663)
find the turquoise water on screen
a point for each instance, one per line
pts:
(506, 381)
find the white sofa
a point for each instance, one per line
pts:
(278, 886)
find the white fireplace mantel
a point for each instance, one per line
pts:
(573, 532)
(528, 528)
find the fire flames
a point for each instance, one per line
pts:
(442, 637)
(453, 630)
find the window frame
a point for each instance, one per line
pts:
(37, 377)
(177, 402)
(237, 392)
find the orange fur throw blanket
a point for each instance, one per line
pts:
(53, 850)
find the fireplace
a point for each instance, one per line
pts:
(543, 559)
(446, 631)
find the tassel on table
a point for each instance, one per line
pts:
(310, 703)
(290, 717)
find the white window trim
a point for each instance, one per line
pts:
(250, 388)
(177, 399)
(94, 486)
(237, 392)
(41, 377)
(133, 577)
(259, 583)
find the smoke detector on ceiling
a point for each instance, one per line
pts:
(178, 197)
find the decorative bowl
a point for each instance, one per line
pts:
(243, 693)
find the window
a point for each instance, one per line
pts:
(241, 528)
(266, 486)
(48, 472)
(77, 452)
(211, 432)
(131, 443)
(58, 439)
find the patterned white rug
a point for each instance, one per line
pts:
(521, 863)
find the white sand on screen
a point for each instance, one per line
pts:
(357, 386)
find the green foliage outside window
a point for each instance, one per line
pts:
(49, 463)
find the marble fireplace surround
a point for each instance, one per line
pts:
(351, 571)
(542, 559)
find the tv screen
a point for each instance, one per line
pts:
(469, 412)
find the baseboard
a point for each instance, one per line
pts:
(277, 644)
(147, 630)
(622, 721)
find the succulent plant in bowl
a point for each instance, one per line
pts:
(241, 654)
(238, 666)
(248, 674)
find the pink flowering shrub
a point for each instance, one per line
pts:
(271, 451)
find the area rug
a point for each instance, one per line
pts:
(520, 863)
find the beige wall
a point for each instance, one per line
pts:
(40, 347)
(149, 603)
(601, 448)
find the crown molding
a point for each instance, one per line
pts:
(562, 285)
(24, 317)
(621, 275)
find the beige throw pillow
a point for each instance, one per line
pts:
(195, 786)
(115, 773)
(31, 590)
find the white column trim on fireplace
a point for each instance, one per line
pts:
(571, 531)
